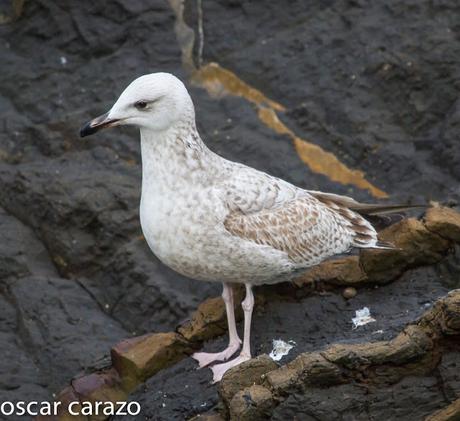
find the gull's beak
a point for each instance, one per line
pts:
(97, 124)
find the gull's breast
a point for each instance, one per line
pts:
(183, 230)
(187, 233)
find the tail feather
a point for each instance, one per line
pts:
(384, 245)
(369, 209)
(362, 208)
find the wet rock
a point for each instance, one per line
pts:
(450, 413)
(410, 345)
(92, 389)
(246, 374)
(20, 373)
(414, 352)
(412, 398)
(210, 319)
(21, 253)
(345, 271)
(62, 327)
(307, 369)
(383, 101)
(416, 246)
(252, 403)
(177, 392)
(140, 358)
(357, 105)
(444, 221)
(66, 397)
(207, 321)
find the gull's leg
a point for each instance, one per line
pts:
(205, 358)
(247, 304)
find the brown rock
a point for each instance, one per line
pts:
(140, 358)
(444, 317)
(99, 387)
(408, 346)
(282, 379)
(346, 271)
(444, 221)
(206, 322)
(210, 319)
(251, 404)
(416, 246)
(450, 413)
(448, 315)
(306, 369)
(66, 396)
(244, 375)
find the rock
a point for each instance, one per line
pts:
(346, 271)
(246, 374)
(410, 345)
(21, 252)
(66, 397)
(252, 403)
(63, 328)
(414, 352)
(445, 315)
(140, 358)
(362, 400)
(417, 246)
(210, 319)
(182, 390)
(21, 373)
(307, 369)
(98, 387)
(444, 221)
(388, 113)
(449, 413)
(207, 321)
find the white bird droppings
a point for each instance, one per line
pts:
(363, 317)
(280, 349)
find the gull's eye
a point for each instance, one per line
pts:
(141, 105)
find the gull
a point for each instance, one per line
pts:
(212, 219)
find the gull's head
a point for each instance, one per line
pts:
(153, 102)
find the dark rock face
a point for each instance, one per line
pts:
(375, 84)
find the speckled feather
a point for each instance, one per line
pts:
(216, 220)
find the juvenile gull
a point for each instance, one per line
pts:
(215, 220)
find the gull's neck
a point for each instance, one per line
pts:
(176, 159)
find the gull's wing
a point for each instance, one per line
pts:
(269, 211)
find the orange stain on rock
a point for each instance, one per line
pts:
(319, 160)
(219, 82)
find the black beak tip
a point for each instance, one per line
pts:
(88, 129)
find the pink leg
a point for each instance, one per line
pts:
(247, 304)
(205, 358)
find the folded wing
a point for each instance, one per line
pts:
(292, 220)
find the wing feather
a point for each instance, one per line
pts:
(270, 211)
